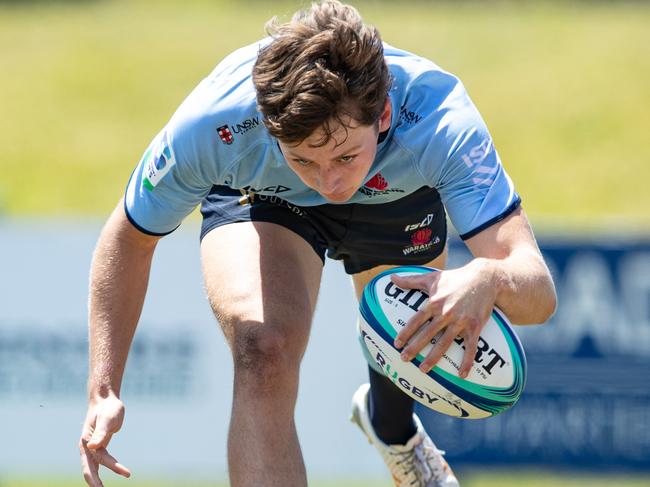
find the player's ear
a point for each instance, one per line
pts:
(384, 118)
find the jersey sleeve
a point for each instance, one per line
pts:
(170, 180)
(464, 166)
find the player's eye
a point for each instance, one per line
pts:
(302, 162)
(347, 158)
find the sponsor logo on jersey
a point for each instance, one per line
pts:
(157, 162)
(421, 241)
(408, 116)
(225, 134)
(248, 124)
(424, 223)
(475, 159)
(376, 186)
(275, 189)
(250, 197)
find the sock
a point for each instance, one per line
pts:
(391, 411)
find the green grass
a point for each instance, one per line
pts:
(492, 479)
(563, 87)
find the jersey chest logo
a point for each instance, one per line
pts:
(377, 186)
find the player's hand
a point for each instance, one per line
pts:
(103, 420)
(460, 302)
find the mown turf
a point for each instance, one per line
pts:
(562, 85)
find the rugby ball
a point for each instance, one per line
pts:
(497, 377)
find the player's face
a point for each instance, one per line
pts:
(337, 169)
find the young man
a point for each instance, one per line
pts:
(317, 140)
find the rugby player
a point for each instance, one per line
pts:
(318, 140)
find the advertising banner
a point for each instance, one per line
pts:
(586, 403)
(587, 399)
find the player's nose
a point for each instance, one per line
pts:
(329, 180)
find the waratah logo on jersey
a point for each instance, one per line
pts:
(377, 185)
(225, 134)
(377, 182)
(421, 240)
(421, 237)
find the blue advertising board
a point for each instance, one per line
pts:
(586, 403)
(587, 399)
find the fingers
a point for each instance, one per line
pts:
(414, 324)
(100, 437)
(89, 466)
(423, 338)
(471, 346)
(107, 422)
(91, 459)
(101, 423)
(439, 349)
(467, 328)
(425, 283)
(422, 282)
(107, 460)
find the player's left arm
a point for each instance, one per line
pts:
(508, 270)
(513, 263)
(459, 159)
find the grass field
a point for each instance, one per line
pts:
(563, 87)
(493, 479)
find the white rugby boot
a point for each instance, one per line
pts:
(418, 463)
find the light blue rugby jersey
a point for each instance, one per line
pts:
(437, 138)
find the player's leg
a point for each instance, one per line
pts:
(385, 414)
(391, 411)
(262, 281)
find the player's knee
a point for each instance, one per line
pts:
(266, 355)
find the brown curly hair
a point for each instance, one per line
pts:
(320, 68)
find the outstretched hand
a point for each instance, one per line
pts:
(460, 302)
(103, 420)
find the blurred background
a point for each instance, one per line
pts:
(564, 88)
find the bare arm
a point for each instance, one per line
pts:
(118, 283)
(514, 266)
(508, 270)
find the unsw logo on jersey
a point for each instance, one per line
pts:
(408, 116)
(226, 132)
(158, 160)
(376, 186)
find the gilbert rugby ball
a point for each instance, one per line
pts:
(497, 377)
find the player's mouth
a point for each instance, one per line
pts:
(338, 196)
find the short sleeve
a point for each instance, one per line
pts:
(463, 165)
(167, 184)
(475, 188)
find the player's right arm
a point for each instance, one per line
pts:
(118, 283)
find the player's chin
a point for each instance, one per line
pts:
(339, 196)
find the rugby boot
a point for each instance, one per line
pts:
(418, 463)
